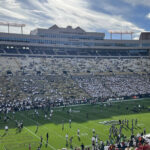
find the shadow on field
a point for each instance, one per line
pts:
(78, 114)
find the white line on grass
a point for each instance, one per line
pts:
(4, 148)
(39, 138)
(42, 126)
(141, 124)
(47, 128)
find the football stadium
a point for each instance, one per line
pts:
(65, 88)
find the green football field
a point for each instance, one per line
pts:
(99, 117)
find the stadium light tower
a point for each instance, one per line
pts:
(13, 25)
(121, 33)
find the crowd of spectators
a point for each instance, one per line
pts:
(60, 66)
(31, 91)
(24, 81)
(115, 85)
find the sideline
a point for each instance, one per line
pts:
(115, 101)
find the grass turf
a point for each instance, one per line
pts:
(14, 140)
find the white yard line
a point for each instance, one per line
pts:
(140, 124)
(4, 148)
(88, 145)
(47, 129)
(43, 126)
(39, 138)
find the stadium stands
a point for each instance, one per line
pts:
(70, 79)
(75, 65)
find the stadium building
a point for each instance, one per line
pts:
(71, 42)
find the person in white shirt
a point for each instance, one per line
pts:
(78, 134)
(45, 116)
(6, 128)
(70, 123)
(70, 110)
(50, 115)
(93, 141)
(66, 139)
(93, 131)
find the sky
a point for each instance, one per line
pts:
(91, 15)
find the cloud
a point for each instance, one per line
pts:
(138, 2)
(12, 14)
(44, 13)
(148, 16)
